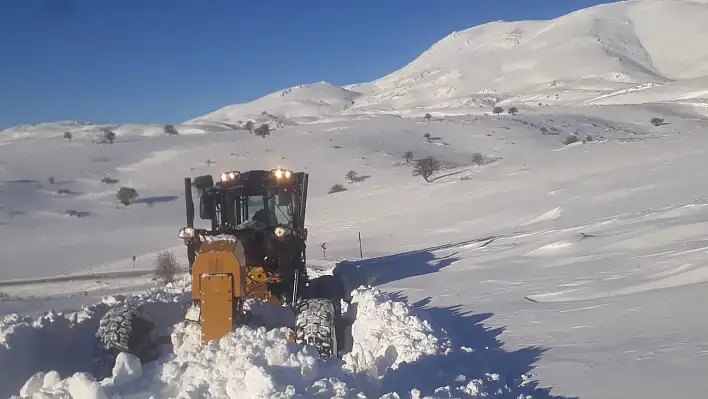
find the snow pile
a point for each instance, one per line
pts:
(55, 341)
(255, 362)
(388, 334)
(62, 341)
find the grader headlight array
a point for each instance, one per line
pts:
(229, 176)
(281, 174)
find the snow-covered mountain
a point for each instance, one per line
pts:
(567, 60)
(598, 55)
(629, 52)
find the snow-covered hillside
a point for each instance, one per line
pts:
(295, 104)
(586, 57)
(567, 60)
(529, 266)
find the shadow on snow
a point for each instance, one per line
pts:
(386, 269)
(483, 352)
(483, 355)
(156, 199)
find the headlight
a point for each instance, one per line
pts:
(279, 231)
(186, 232)
(280, 173)
(228, 176)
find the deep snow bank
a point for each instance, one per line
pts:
(62, 341)
(259, 363)
(54, 341)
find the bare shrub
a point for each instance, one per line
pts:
(170, 129)
(337, 188)
(427, 136)
(109, 135)
(657, 121)
(478, 158)
(408, 157)
(570, 139)
(249, 126)
(166, 266)
(68, 136)
(126, 195)
(426, 167)
(351, 176)
(428, 116)
(263, 130)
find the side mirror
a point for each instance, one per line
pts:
(203, 182)
(206, 207)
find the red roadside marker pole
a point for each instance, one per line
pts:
(324, 250)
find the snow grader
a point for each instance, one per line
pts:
(253, 249)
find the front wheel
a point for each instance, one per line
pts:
(122, 329)
(315, 325)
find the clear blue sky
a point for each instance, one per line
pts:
(166, 61)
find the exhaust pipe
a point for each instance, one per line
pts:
(189, 204)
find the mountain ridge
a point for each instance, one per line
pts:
(627, 52)
(606, 50)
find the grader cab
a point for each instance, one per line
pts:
(252, 249)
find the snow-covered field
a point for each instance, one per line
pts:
(549, 270)
(576, 264)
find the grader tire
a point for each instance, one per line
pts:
(316, 326)
(122, 329)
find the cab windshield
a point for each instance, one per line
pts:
(276, 212)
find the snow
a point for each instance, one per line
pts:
(547, 271)
(387, 336)
(302, 102)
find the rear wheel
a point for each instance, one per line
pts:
(316, 325)
(122, 329)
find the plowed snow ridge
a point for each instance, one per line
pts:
(248, 363)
